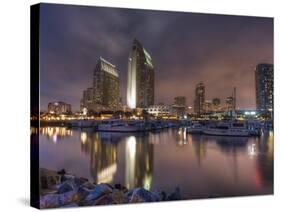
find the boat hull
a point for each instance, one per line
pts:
(226, 133)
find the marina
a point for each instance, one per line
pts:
(202, 166)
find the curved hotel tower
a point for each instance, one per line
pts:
(140, 87)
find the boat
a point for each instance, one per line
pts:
(195, 128)
(228, 129)
(121, 126)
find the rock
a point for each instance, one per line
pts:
(121, 187)
(175, 195)
(49, 179)
(104, 200)
(62, 172)
(163, 196)
(129, 193)
(57, 200)
(142, 195)
(98, 191)
(82, 193)
(118, 197)
(79, 181)
(118, 186)
(65, 187)
(71, 205)
(71, 184)
(88, 185)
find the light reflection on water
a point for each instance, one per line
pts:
(202, 166)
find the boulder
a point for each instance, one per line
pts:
(49, 179)
(120, 187)
(71, 184)
(65, 187)
(82, 193)
(98, 191)
(104, 200)
(118, 197)
(61, 172)
(88, 185)
(57, 200)
(175, 195)
(143, 195)
(71, 205)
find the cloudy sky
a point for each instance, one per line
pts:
(222, 51)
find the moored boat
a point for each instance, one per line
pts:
(228, 129)
(195, 128)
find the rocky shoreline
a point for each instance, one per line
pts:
(61, 189)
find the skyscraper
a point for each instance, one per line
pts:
(229, 103)
(87, 98)
(199, 98)
(216, 104)
(179, 106)
(180, 101)
(264, 87)
(105, 86)
(140, 85)
(59, 108)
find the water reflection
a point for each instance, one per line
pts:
(200, 148)
(135, 159)
(181, 136)
(139, 152)
(55, 133)
(103, 162)
(103, 148)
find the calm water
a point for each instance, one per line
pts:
(201, 166)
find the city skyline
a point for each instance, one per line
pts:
(185, 48)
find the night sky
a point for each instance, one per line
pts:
(222, 51)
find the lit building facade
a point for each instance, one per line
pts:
(105, 87)
(180, 101)
(264, 87)
(208, 106)
(140, 85)
(229, 103)
(87, 98)
(59, 108)
(216, 104)
(179, 107)
(199, 98)
(158, 110)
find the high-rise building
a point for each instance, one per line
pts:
(229, 103)
(179, 106)
(87, 98)
(140, 85)
(216, 104)
(199, 98)
(105, 87)
(180, 101)
(264, 87)
(59, 108)
(207, 106)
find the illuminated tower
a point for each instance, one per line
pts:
(199, 98)
(264, 87)
(105, 86)
(140, 86)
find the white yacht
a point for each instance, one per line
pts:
(195, 128)
(228, 129)
(121, 126)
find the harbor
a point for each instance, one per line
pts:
(240, 165)
(218, 128)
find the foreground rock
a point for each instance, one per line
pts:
(59, 189)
